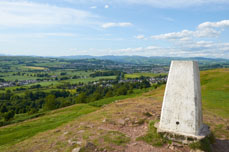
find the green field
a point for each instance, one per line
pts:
(137, 75)
(52, 84)
(215, 91)
(34, 68)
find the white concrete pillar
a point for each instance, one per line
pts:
(181, 110)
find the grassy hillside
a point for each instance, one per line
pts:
(215, 91)
(117, 125)
(15, 133)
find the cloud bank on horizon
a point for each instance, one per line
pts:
(116, 27)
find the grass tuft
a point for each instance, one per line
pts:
(116, 138)
(152, 137)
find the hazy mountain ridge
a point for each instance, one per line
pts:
(150, 60)
(137, 60)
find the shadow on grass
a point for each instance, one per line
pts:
(221, 145)
(204, 144)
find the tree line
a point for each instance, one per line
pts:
(32, 102)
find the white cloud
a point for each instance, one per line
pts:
(156, 3)
(206, 49)
(174, 35)
(93, 7)
(220, 24)
(140, 37)
(52, 34)
(152, 47)
(196, 49)
(175, 3)
(187, 34)
(206, 29)
(13, 36)
(111, 24)
(193, 43)
(106, 6)
(28, 13)
(206, 32)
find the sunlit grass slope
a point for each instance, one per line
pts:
(215, 91)
(15, 133)
(18, 132)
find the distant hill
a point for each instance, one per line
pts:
(151, 60)
(204, 63)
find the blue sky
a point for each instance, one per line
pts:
(180, 28)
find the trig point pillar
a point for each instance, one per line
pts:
(182, 109)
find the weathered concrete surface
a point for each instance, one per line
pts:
(181, 110)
